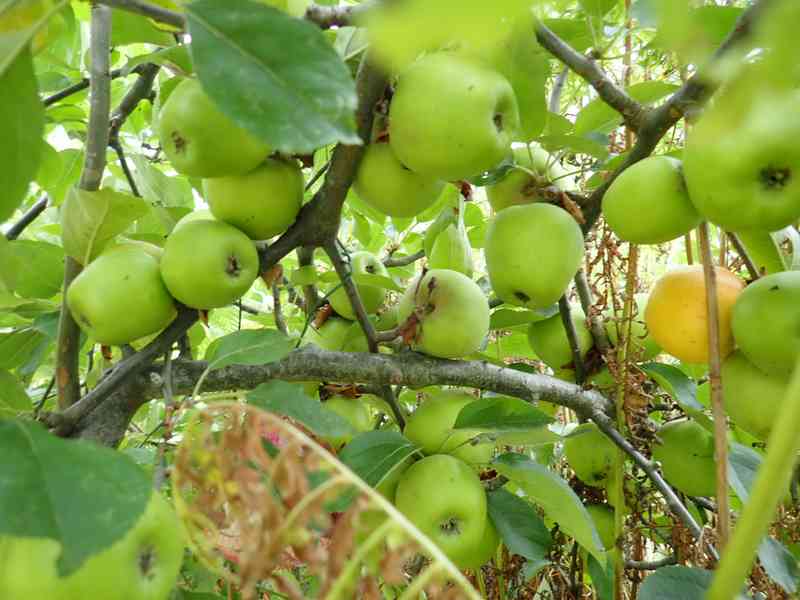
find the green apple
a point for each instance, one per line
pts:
(208, 264)
(643, 346)
(766, 322)
(452, 250)
(590, 454)
(199, 140)
(486, 549)
(535, 169)
(742, 164)
(120, 296)
(686, 454)
(263, 203)
(431, 428)
(648, 203)
(390, 187)
(352, 410)
(548, 338)
(361, 263)
(450, 118)
(603, 517)
(444, 498)
(451, 312)
(338, 335)
(202, 214)
(143, 565)
(532, 253)
(752, 398)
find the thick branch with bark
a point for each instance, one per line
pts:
(613, 95)
(68, 341)
(310, 363)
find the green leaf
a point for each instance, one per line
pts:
(380, 281)
(304, 275)
(22, 124)
(175, 58)
(550, 492)
(682, 389)
(599, 116)
(13, 43)
(58, 171)
(248, 347)
(289, 400)
(501, 413)
(676, 582)
(602, 578)
(160, 189)
(780, 564)
(520, 528)
(743, 465)
(576, 144)
(576, 32)
(17, 346)
(128, 28)
(373, 454)
(39, 268)
(90, 219)
(506, 318)
(276, 76)
(80, 494)
(13, 397)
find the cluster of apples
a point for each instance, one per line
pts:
(144, 563)
(209, 259)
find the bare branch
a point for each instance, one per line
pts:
(29, 217)
(277, 310)
(641, 565)
(68, 342)
(80, 86)
(402, 261)
(632, 112)
(744, 255)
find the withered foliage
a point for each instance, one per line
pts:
(262, 501)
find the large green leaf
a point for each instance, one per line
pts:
(373, 454)
(780, 564)
(14, 41)
(289, 400)
(502, 414)
(13, 397)
(39, 268)
(17, 346)
(90, 219)
(674, 583)
(80, 494)
(682, 389)
(274, 75)
(521, 529)
(550, 492)
(248, 347)
(22, 124)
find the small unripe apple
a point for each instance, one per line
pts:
(371, 295)
(752, 398)
(208, 264)
(100, 297)
(590, 454)
(431, 428)
(532, 253)
(452, 314)
(390, 187)
(535, 169)
(450, 118)
(338, 335)
(444, 498)
(676, 313)
(548, 339)
(199, 140)
(686, 454)
(263, 203)
(354, 411)
(766, 322)
(648, 203)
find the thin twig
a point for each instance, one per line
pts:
(81, 85)
(715, 380)
(277, 310)
(572, 338)
(744, 255)
(596, 326)
(153, 11)
(29, 217)
(642, 565)
(402, 261)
